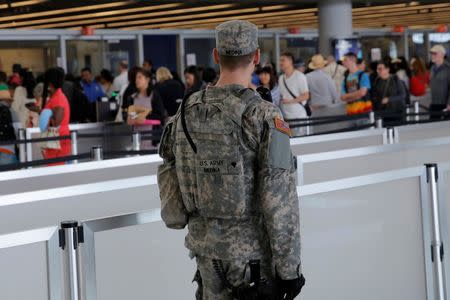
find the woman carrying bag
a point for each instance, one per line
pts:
(58, 120)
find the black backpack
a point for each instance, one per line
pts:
(6, 125)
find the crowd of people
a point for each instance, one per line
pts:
(143, 93)
(387, 85)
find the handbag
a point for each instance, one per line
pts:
(49, 133)
(306, 106)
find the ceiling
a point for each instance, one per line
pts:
(190, 14)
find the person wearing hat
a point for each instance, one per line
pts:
(321, 87)
(8, 120)
(439, 81)
(229, 174)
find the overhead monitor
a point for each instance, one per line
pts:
(343, 46)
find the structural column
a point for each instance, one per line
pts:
(335, 21)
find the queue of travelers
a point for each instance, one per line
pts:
(302, 89)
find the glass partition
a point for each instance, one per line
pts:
(417, 45)
(267, 46)
(198, 51)
(98, 55)
(118, 50)
(301, 47)
(392, 46)
(34, 55)
(81, 54)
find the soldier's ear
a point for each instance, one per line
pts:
(257, 58)
(216, 56)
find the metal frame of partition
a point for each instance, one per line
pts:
(339, 136)
(443, 196)
(308, 158)
(54, 266)
(88, 249)
(412, 128)
(433, 281)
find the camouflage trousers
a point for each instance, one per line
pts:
(210, 283)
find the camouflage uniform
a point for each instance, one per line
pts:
(237, 193)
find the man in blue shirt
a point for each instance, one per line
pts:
(91, 88)
(356, 84)
(355, 87)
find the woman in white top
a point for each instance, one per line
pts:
(293, 89)
(23, 94)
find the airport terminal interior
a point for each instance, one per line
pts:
(138, 150)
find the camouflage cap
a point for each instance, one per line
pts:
(236, 38)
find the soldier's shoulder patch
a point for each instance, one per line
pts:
(282, 126)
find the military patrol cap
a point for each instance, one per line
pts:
(236, 38)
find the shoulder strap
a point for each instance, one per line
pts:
(286, 86)
(183, 121)
(335, 71)
(345, 80)
(360, 75)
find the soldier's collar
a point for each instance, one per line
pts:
(221, 92)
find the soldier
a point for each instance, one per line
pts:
(229, 174)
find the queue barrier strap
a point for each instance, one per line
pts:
(43, 162)
(352, 128)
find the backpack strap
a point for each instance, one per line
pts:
(360, 75)
(345, 80)
(183, 120)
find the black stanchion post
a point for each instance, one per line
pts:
(70, 236)
(22, 146)
(74, 143)
(136, 141)
(97, 153)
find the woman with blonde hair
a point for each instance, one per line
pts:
(163, 74)
(170, 90)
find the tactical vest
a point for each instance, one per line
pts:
(218, 180)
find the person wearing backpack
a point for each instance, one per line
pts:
(355, 87)
(7, 131)
(389, 93)
(229, 174)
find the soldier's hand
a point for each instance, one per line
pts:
(289, 289)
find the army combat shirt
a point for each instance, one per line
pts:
(246, 218)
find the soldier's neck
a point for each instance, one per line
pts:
(238, 77)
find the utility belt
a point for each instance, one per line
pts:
(259, 288)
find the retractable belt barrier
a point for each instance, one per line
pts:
(71, 158)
